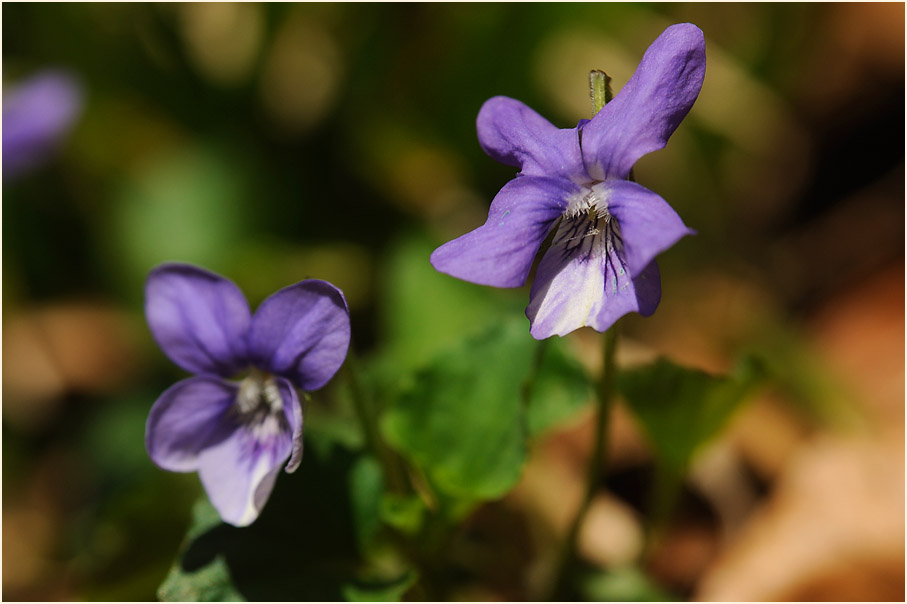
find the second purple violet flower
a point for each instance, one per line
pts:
(237, 435)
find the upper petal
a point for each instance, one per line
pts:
(185, 419)
(586, 284)
(648, 109)
(302, 332)
(501, 251)
(238, 472)
(648, 224)
(199, 319)
(513, 134)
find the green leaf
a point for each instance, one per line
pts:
(383, 591)
(560, 389)
(209, 583)
(330, 420)
(188, 206)
(212, 583)
(366, 489)
(403, 512)
(792, 366)
(424, 311)
(680, 408)
(462, 419)
(622, 584)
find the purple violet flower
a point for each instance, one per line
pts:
(236, 435)
(37, 114)
(607, 229)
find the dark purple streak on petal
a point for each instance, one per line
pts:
(579, 283)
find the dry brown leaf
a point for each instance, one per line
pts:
(834, 526)
(840, 504)
(85, 347)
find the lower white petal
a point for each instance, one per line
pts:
(583, 280)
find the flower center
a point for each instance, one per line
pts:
(589, 202)
(259, 405)
(587, 227)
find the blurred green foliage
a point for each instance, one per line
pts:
(467, 428)
(681, 409)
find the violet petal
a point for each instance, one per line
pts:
(37, 114)
(648, 224)
(293, 412)
(302, 333)
(238, 473)
(648, 109)
(572, 290)
(500, 252)
(199, 319)
(185, 419)
(513, 134)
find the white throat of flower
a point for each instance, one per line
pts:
(587, 227)
(259, 405)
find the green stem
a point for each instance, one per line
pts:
(599, 89)
(368, 421)
(606, 389)
(529, 385)
(663, 498)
